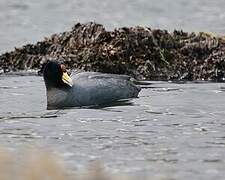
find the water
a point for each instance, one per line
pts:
(27, 21)
(172, 130)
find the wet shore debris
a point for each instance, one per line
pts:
(142, 52)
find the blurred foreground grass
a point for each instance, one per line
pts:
(33, 164)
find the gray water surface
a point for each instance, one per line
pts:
(171, 130)
(28, 21)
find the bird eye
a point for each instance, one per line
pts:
(63, 68)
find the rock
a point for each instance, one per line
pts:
(137, 51)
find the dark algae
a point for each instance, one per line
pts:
(144, 53)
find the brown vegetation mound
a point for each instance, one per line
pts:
(138, 51)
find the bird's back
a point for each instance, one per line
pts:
(92, 88)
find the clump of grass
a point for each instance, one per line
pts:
(31, 165)
(44, 165)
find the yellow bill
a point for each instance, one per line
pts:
(66, 79)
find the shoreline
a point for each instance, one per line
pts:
(141, 52)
